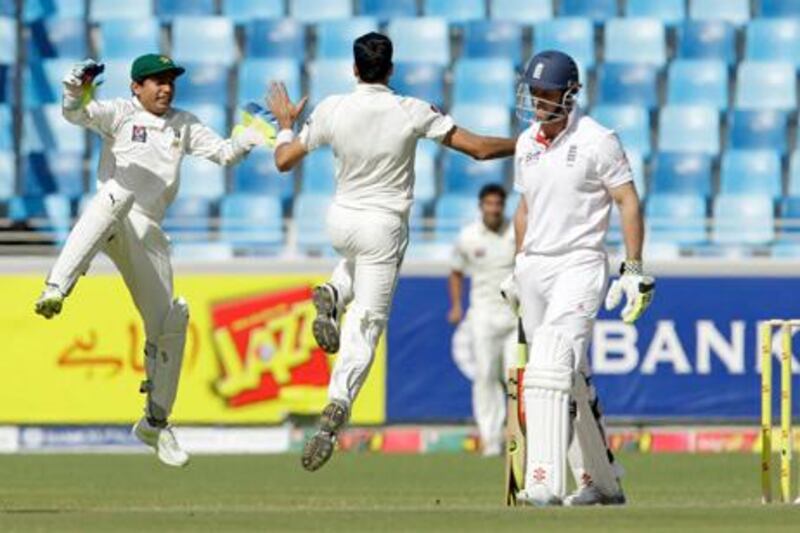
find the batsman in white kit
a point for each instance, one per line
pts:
(569, 170)
(485, 250)
(374, 134)
(144, 141)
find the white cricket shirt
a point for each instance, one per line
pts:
(143, 152)
(374, 134)
(566, 185)
(488, 257)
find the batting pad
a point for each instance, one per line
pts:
(163, 364)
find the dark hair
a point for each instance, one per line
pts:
(490, 189)
(373, 55)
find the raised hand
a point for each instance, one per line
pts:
(285, 112)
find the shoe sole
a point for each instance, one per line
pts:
(317, 451)
(324, 328)
(48, 309)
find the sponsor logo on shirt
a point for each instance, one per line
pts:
(139, 134)
(531, 158)
(480, 252)
(572, 155)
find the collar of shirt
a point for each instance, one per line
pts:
(487, 231)
(362, 87)
(572, 120)
(151, 119)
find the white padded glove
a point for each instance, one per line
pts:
(79, 83)
(256, 128)
(508, 289)
(638, 289)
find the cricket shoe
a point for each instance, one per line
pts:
(590, 495)
(538, 496)
(50, 301)
(320, 446)
(162, 440)
(326, 325)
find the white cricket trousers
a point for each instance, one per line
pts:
(372, 245)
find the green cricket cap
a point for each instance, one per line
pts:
(152, 64)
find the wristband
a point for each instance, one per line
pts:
(284, 136)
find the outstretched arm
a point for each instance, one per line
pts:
(479, 147)
(289, 151)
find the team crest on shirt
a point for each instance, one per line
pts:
(572, 155)
(480, 252)
(139, 134)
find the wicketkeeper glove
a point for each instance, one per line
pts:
(257, 127)
(508, 290)
(81, 82)
(638, 288)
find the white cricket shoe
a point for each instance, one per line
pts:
(163, 441)
(538, 496)
(589, 495)
(50, 302)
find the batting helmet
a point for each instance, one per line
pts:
(550, 70)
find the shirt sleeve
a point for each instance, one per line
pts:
(426, 119)
(317, 130)
(612, 164)
(458, 258)
(97, 115)
(206, 143)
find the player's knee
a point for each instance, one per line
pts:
(552, 361)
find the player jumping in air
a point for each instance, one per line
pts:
(144, 141)
(485, 250)
(374, 134)
(569, 170)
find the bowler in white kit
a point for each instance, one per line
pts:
(374, 134)
(485, 251)
(569, 171)
(144, 141)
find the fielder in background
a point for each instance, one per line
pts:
(485, 250)
(374, 134)
(569, 170)
(144, 141)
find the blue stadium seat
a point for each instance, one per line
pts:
(707, 39)
(484, 81)
(117, 82)
(521, 11)
(453, 212)
(636, 162)
(330, 76)
(62, 37)
(202, 251)
(167, 10)
(734, 11)
(635, 40)
(483, 119)
(670, 12)
(492, 38)
(311, 11)
(8, 8)
(689, 129)
(41, 82)
(255, 76)
(128, 38)
(258, 175)
(241, 11)
(420, 80)
(682, 173)
(794, 174)
(388, 9)
(251, 220)
(597, 10)
(6, 128)
(574, 36)
(751, 172)
(698, 82)
(41, 9)
(425, 40)
(631, 122)
(676, 218)
(7, 175)
(752, 129)
(310, 212)
(623, 84)
(52, 132)
(202, 178)
(49, 173)
(31, 137)
(319, 172)
(275, 38)
(464, 175)
(202, 84)
(56, 209)
(780, 8)
(7, 84)
(335, 37)
(455, 12)
(774, 40)
(188, 219)
(103, 10)
(203, 40)
(790, 218)
(213, 116)
(416, 223)
(8, 41)
(763, 85)
(425, 172)
(743, 219)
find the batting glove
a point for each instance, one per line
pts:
(508, 289)
(638, 288)
(81, 81)
(256, 128)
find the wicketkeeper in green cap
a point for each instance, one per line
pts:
(144, 142)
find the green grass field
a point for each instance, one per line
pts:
(366, 492)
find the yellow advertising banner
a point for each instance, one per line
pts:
(250, 355)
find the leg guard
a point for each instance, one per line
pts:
(591, 461)
(109, 206)
(548, 382)
(163, 363)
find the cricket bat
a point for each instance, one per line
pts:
(515, 424)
